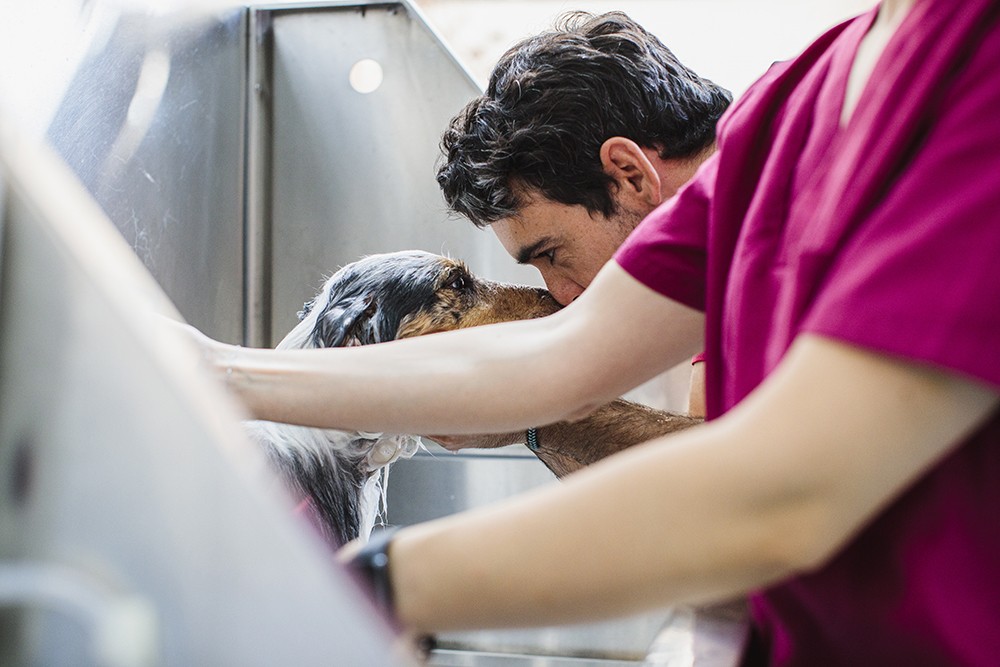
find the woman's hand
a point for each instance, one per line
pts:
(209, 351)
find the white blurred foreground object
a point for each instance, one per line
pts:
(130, 497)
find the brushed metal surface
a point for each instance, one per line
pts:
(153, 124)
(437, 483)
(448, 658)
(354, 173)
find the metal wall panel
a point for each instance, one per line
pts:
(153, 124)
(353, 173)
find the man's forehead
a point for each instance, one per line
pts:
(537, 212)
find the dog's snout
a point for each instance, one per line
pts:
(547, 300)
(505, 302)
(538, 302)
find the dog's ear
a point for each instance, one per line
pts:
(342, 322)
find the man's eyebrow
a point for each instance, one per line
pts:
(527, 253)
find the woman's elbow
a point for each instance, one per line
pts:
(804, 539)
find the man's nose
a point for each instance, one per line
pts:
(563, 290)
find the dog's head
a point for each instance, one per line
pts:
(405, 294)
(376, 299)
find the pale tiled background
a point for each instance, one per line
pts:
(729, 41)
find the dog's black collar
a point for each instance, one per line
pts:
(531, 439)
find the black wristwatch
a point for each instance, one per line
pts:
(372, 565)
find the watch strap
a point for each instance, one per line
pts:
(372, 563)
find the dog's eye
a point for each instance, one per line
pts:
(459, 283)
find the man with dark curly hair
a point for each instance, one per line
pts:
(546, 155)
(555, 155)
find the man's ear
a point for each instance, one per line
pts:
(634, 175)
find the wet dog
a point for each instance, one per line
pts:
(340, 476)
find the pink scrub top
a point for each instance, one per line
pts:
(885, 235)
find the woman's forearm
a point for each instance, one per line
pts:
(444, 383)
(627, 535)
(730, 506)
(494, 378)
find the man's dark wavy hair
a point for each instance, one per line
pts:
(554, 99)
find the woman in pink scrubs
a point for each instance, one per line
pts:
(837, 262)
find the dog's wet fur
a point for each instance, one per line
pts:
(376, 299)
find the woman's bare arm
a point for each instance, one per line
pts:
(489, 379)
(733, 505)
